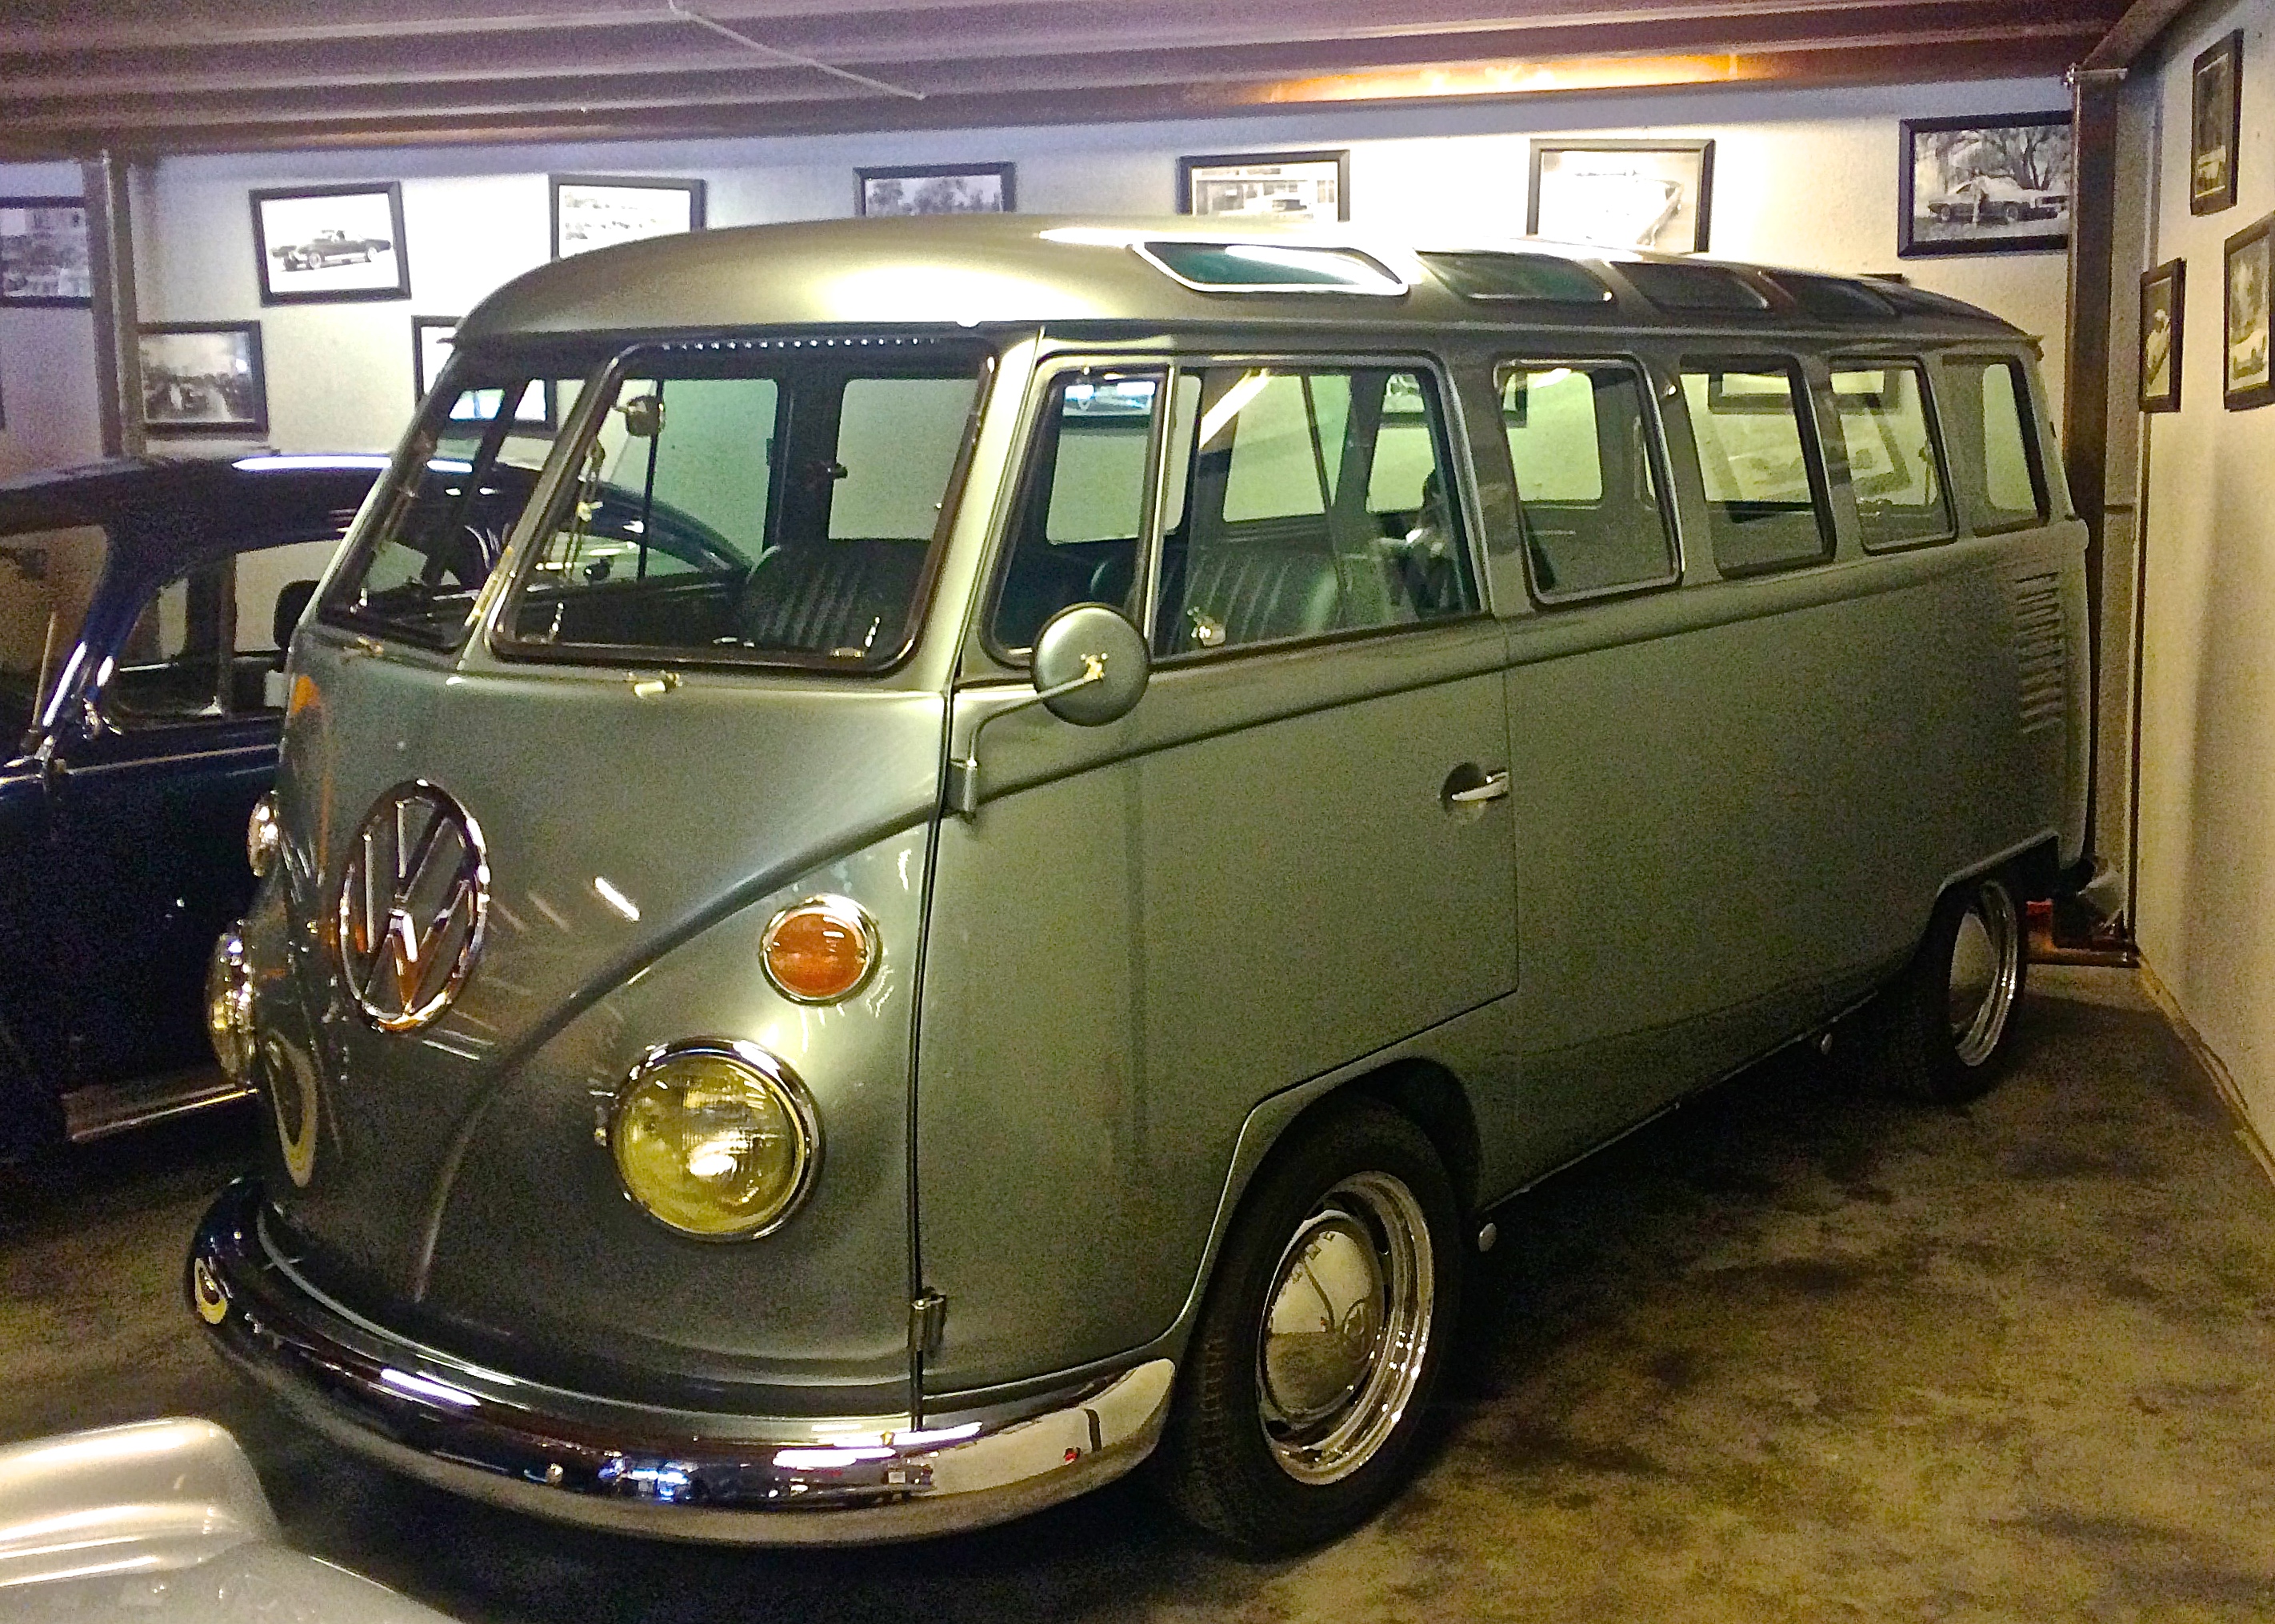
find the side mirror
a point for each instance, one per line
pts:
(291, 603)
(1091, 665)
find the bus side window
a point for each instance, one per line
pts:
(1765, 507)
(1585, 476)
(2002, 485)
(1894, 468)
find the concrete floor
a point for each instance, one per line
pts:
(1788, 1354)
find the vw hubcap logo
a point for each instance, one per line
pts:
(413, 903)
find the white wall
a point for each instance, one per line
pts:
(1800, 177)
(2205, 895)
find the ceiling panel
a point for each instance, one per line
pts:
(143, 77)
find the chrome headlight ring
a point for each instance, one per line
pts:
(632, 1137)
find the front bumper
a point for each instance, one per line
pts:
(639, 1468)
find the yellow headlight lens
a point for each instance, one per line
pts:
(821, 950)
(714, 1139)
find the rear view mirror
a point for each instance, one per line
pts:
(1091, 665)
(291, 603)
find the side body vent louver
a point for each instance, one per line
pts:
(2041, 649)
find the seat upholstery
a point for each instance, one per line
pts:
(821, 596)
(1259, 591)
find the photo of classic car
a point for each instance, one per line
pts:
(1984, 199)
(331, 246)
(144, 608)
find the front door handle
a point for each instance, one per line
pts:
(1495, 788)
(1468, 788)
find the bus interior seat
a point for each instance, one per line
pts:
(819, 597)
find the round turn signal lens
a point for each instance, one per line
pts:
(714, 1139)
(822, 950)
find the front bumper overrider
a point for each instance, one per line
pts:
(639, 1468)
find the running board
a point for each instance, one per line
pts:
(101, 1109)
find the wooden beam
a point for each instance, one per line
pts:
(2134, 32)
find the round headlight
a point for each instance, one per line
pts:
(229, 1005)
(714, 1138)
(821, 950)
(261, 834)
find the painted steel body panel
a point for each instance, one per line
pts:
(1151, 925)
(1159, 941)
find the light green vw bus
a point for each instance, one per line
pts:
(988, 865)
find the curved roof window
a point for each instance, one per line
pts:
(1530, 278)
(1270, 268)
(1693, 287)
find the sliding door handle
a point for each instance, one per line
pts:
(1495, 788)
(1469, 788)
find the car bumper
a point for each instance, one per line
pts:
(637, 1468)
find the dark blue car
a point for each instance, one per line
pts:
(144, 608)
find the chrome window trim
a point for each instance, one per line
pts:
(1453, 427)
(1930, 410)
(1795, 365)
(2026, 401)
(1655, 448)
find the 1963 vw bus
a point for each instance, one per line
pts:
(1038, 818)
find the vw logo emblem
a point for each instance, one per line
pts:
(413, 903)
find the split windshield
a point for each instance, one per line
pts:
(770, 503)
(752, 504)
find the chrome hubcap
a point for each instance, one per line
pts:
(1986, 960)
(1346, 1328)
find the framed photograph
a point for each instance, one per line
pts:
(44, 259)
(1995, 184)
(430, 347)
(203, 378)
(1622, 194)
(1291, 187)
(599, 211)
(2163, 297)
(331, 245)
(2243, 310)
(2215, 122)
(935, 189)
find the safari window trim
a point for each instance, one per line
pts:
(1042, 386)
(1452, 430)
(1796, 365)
(1654, 430)
(502, 591)
(1865, 360)
(2026, 401)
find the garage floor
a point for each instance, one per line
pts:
(1788, 1354)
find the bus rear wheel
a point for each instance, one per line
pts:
(1943, 1031)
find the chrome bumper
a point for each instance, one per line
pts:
(641, 1469)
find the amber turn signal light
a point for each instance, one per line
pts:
(822, 950)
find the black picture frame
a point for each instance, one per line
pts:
(2246, 380)
(955, 191)
(1238, 171)
(1980, 212)
(427, 365)
(1694, 158)
(2164, 310)
(42, 261)
(2215, 124)
(184, 382)
(694, 194)
(365, 227)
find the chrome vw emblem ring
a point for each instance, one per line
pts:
(413, 903)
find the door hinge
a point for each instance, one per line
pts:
(927, 1319)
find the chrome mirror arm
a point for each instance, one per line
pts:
(964, 775)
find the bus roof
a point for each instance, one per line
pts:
(1027, 270)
